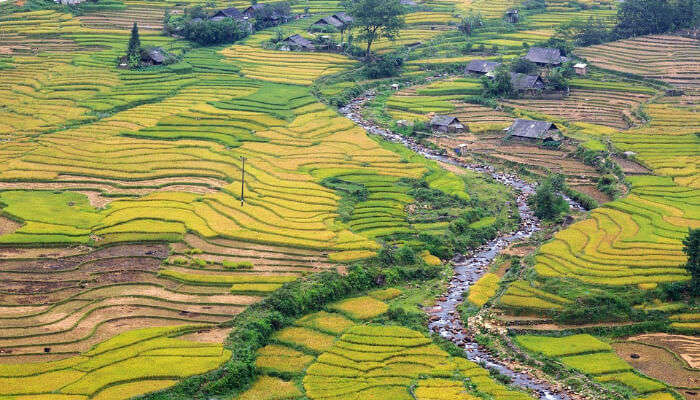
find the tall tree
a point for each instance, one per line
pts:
(644, 17)
(376, 19)
(133, 52)
(691, 247)
(470, 23)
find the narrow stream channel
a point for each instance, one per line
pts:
(468, 268)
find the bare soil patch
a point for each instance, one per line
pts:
(214, 335)
(8, 225)
(687, 347)
(658, 363)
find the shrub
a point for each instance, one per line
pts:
(383, 67)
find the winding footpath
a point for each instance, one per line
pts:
(445, 319)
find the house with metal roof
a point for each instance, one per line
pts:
(329, 21)
(481, 67)
(232, 12)
(153, 56)
(545, 56)
(446, 123)
(296, 43)
(526, 83)
(535, 130)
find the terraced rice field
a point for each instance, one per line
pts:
(335, 355)
(109, 157)
(593, 357)
(665, 57)
(597, 106)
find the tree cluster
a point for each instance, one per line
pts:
(634, 18)
(376, 19)
(547, 203)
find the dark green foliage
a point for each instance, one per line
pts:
(557, 80)
(523, 66)
(691, 247)
(375, 19)
(645, 17)
(383, 67)
(602, 307)
(133, 52)
(547, 204)
(350, 193)
(271, 14)
(470, 23)
(207, 32)
(563, 45)
(500, 85)
(584, 33)
(390, 256)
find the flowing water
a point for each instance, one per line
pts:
(468, 268)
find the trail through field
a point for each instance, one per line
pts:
(444, 317)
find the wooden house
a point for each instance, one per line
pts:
(446, 124)
(481, 67)
(545, 56)
(534, 130)
(296, 43)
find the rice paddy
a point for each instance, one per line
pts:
(593, 357)
(131, 233)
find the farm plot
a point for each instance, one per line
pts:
(541, 161)
(147, 18)
(283, 67)
(58, 307)
(668, 144)
(593, 357)
(629, 241)
(155, 156)
(125, 366)
(665, 57)
(593, 105)
(658, 362)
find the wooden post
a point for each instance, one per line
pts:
(242, 179)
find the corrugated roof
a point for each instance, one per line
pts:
(524, 82)
(544, 55)
(330, 20)
(343, 17)
(443, 120)
(230, 13)
(300, 41)
(531, 129)
(482, 66)
(156, 54)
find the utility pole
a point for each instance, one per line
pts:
(242, 179)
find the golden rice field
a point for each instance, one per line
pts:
(108, 157)
(126, 245)
(596, 358)
(336, 355)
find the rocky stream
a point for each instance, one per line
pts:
(445, 319)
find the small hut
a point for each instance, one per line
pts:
(296, 43)
(512, 16)
(226, 13)
(330, 21)
(523, 83)
(481, 67)
(250, 11)
(343, 17)
(581, 68)
(545, 56)
(534, 130)
(446, 124)
(153, 56)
